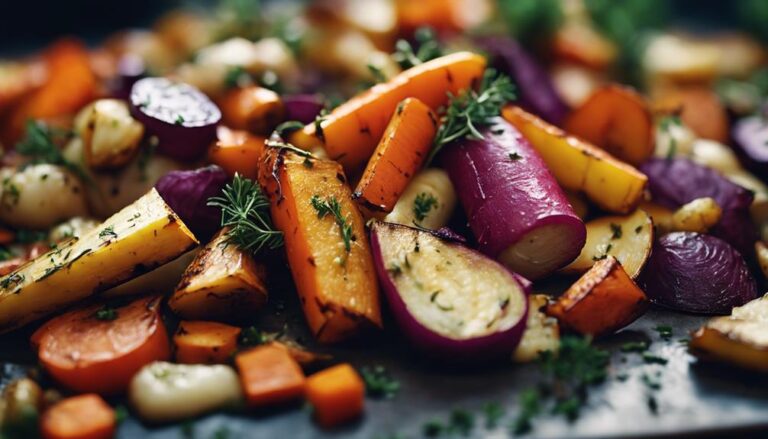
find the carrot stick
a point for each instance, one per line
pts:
(79, 417)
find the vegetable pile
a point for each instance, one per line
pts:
(155, 189)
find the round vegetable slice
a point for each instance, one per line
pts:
(99, 349)
(697, 273)
(304, 107)
(750, 137)
(181, 116)
(449, 300)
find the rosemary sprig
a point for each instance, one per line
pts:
(330, 206)
(470, 110)
(245, 210)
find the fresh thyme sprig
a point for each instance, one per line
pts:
(245, 210)
(331, 206)
(428, 48)
(666, 124)
(422, 204)
(39, 145)
(470, 110)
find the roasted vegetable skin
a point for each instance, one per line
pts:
(337, 284)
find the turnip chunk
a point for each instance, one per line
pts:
(449, 300)
(514, 206)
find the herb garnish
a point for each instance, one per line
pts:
(12, 279)
(288, 127)
(665, 331)
(107, 233)
(378, 382)
(245, 210)
(616, 231)
(428, 48)
(634, 346)
(40, 145)
(235, 77)
(514, 156)
(106, 313)
(377, 73)
(470, 110)
(666, 124)
(422, 204)
(330, 206)
(252, 336)
(493, 413)
(650, 358)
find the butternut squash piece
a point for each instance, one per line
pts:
(401, 152)
(601, 302)
(254, 109)
(269, 376)
(337, 395)
(580, 166)
(199, 342)
(237, 152)
(353, 129)
(334, 275)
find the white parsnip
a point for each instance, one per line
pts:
(761, 250)
(74, 227)
(542, 332)
(698, 216)
(428, 183)
(110, 135)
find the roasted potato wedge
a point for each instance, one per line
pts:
(542, 332)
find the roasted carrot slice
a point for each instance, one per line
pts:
(237, 152)
(270, 376)
(99, 349)
(329, 256)
(254, 109)
(577, 41)
(353, 129)
(401, 152)
(700, 110)
(618, 120)
(337, 395)
(79, 417)
(604, 300)
(199, 342)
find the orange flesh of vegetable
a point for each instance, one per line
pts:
(337, 395)
(270, 376)
(255, 109)
(199, 342)
(237, 151)
(79, 417)
(700, 110)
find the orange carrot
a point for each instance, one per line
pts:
(577, 41)
(205, 342)
(255, 109)
(337, 395)
(401, 152)
(237, 151)
(700, 110)
(98, 349)
(437, 14)
(270, 376)
(79, 417)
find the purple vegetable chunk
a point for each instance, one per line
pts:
(304, 108)
(750, 139)
(130, 68)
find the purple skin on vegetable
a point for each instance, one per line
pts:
(697, 273)
(181, 116)
(495, 340)
(750, 138)
(303, 108)
(674, 182)
(130, 68)
(187, 193)
(535, 90)
(515, 208)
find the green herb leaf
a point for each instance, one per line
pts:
(493, 414)
(530, 407)
(106, 313)
(423, 204)
(40, 145)
(665, 331)
(378, 382)
(616, 231)
(107, 233)
(330, 206)
(634, 346)
(428, 48)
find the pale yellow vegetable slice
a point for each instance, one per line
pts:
(542, 332)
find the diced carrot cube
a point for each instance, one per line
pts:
(270, 376)
(79, 417)
(337, 395)
(199, 342)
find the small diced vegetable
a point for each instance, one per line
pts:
(601, 302)
(501, 183)
(79, 417)
(20, 408)
(164, 392)
(223, 283)
(270, 376)
(325, 241)
(762, 257)
(697, 216)
(352, 130)
(337, 395)
(627, 238)
(137, 239)
(199, 342)
(697, 273)
(579, 166)
(401, 152)
(110, 135)
(253, 109)
(738, 339)
(449, 300)
(428, 201)
(303, 108)
(618, 120)
(542, 332)
(237, 152)
(112, 344)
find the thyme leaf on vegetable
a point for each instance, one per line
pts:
(245, 210)
(106, 313)
(470, 110)
(40, 145)
(330, 206)
(378, 382)
(423, 204)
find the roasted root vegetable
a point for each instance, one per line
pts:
(428, 201)
(750, 136)
(402, 150)
(700, 109)
(697, 273)
(698, 216)
(237, 152)
(164, 392)
(79, 417)
(270, 376)
(542, 333)
(500, 174)
(618, 120)
(761, 250)
(604, 300)
(137, 239)
(199, 342)
(627, 238)
(449, 300)
(580, 166)
(352, 130)
(20, 408)
(738, 339)
(325, 242)
(337, 395)
(253, 109)
(223, 283)
(110, 135)
(112, 345)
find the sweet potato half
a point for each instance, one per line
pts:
(329, 256)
